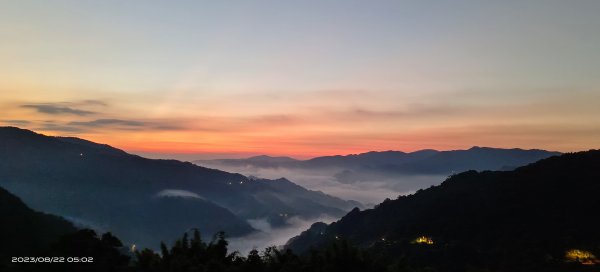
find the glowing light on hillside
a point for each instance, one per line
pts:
(423, 240)
(581, 256)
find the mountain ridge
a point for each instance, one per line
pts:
(535, 213)
(112, 189)
(380, 158)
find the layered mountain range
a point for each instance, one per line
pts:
(425, 162)
(373, 176)
(142, 200)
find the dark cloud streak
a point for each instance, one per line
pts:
(93, 102)
(57, 109)
(16, 122)
(109, 122)
(131, 124)
(59, 128)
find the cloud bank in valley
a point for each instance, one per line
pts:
(375, 190)
(267, 236)
(178, 193)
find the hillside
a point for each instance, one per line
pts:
(24, 231)
(144, 200)
(497, 220)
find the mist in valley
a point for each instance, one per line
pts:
(267, 236)
(368, 188)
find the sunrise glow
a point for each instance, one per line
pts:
(344, 78)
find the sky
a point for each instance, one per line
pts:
(208, 79)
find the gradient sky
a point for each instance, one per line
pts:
(303, 78)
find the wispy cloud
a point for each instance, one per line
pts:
(93, 102)
(108, 122)
(125, 124)
(16, 122)
(178, 193)
(51, 126)
(55, 109)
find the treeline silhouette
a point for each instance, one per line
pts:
(191, 254)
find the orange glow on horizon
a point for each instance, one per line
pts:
(214, 82)
(190, 143)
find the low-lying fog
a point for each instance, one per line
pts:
(367, 188)
(267, 236)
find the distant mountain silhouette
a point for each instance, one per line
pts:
(143, 200)
(475, 158)
(483, 221)
(259, 161)
(359, 167)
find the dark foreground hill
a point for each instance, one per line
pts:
(528, 219)
(29, 240)
(145, 201)
(23, 230)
